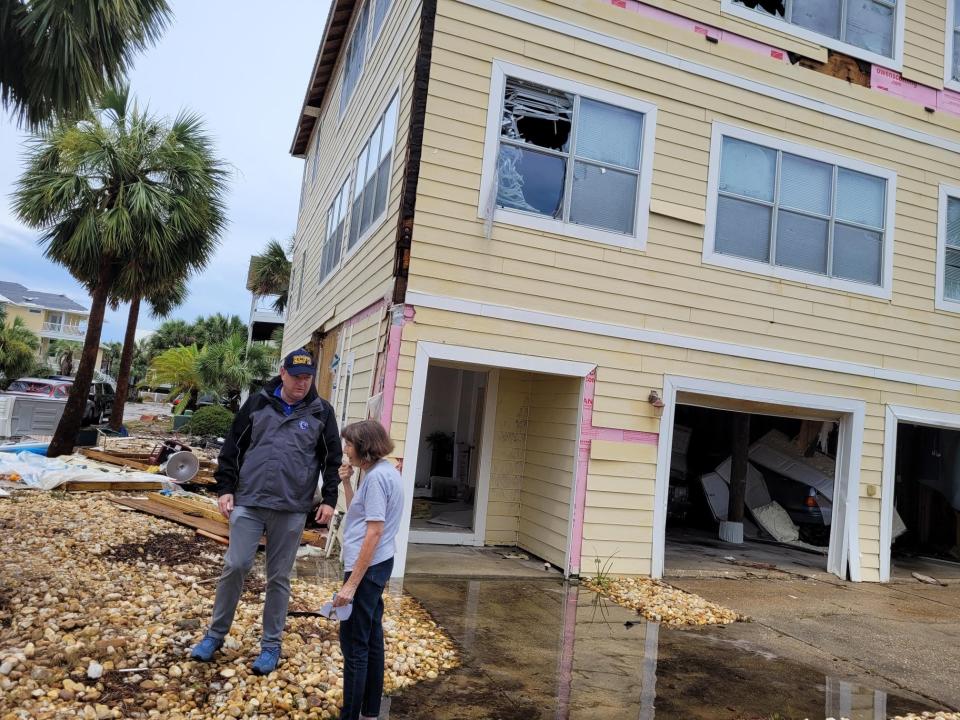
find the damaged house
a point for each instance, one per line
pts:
(625, 279)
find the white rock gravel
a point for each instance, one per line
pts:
(72, 620)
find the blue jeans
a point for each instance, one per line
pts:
(361, 642)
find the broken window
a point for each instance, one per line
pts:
(569, 158)
(796, 212)
(867, 24)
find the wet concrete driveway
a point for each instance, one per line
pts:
(544, 649)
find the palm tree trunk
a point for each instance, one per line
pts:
(65, 436)
(126, 361)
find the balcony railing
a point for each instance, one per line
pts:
(64, 329)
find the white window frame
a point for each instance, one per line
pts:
(344, 187)
(378, 220)
(759, 17)
(942, 302)
(949, 82)
(369, 42)
(501, 71)
(712, 257)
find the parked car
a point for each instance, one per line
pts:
(203, 400)
(58, 388)
(48, 387)
(102, 396)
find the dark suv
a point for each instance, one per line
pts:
(100, 402)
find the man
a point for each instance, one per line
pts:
(267, 474)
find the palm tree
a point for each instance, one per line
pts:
(58, 56)
(230, 367)
(217, 328)
(123, 199)
(65, 353)
(112, 355)
(171, 334)
(270, 273)
(179, 368)
(162, 300)
(18, 348)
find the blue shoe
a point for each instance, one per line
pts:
(206, 649)
(267, 662)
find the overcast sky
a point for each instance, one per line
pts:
(244, 67)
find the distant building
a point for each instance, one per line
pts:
(51, 316)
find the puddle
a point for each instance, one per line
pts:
(532, 652)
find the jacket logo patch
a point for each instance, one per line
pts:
(303, 425)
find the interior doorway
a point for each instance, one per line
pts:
(447, 471)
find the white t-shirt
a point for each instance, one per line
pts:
(379, 498)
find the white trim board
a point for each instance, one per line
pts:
(941, 302)
(500, 71)
(711, 256)
(759, 17)
(844, 534)
(655, 337)
(895, 415)
(468, 356)
(705, 71)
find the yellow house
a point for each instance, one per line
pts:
(50, 316)
(562, 248)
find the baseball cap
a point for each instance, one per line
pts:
(299, 362)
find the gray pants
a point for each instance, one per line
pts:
(247, 525)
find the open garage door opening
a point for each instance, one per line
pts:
(925, 523)
(749, 489)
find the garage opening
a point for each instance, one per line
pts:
(925, 528)
(445, 487)
(769, 477)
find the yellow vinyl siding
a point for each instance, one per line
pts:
(368, 274)
(509, 445)
(549, 465)
(33, 321)
(619, 506)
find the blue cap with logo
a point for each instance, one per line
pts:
(299, 362)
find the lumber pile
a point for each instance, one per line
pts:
(198, 513)
(141, 461)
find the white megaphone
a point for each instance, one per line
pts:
(181, 467)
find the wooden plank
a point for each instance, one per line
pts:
(115, 485)
(112, 459)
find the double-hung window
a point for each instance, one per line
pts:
(371, 175)
(333, 241)
(356, 55)
(366, 30)
(567, 158)
(799, 213)
(948, 250)
(864, 28)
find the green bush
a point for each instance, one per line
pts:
(211, 420)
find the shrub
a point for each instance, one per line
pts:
(212, 420)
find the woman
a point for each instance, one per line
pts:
(369, 530)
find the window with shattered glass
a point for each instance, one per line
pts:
(569, 158)
(867, 24)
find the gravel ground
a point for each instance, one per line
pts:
(99, 608)
(659, 602)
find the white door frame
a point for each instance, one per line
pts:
(895, 415)
(844, 533)
(491, 360)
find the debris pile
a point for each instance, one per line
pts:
(659, 602)
(99, 607)
(939, 715)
